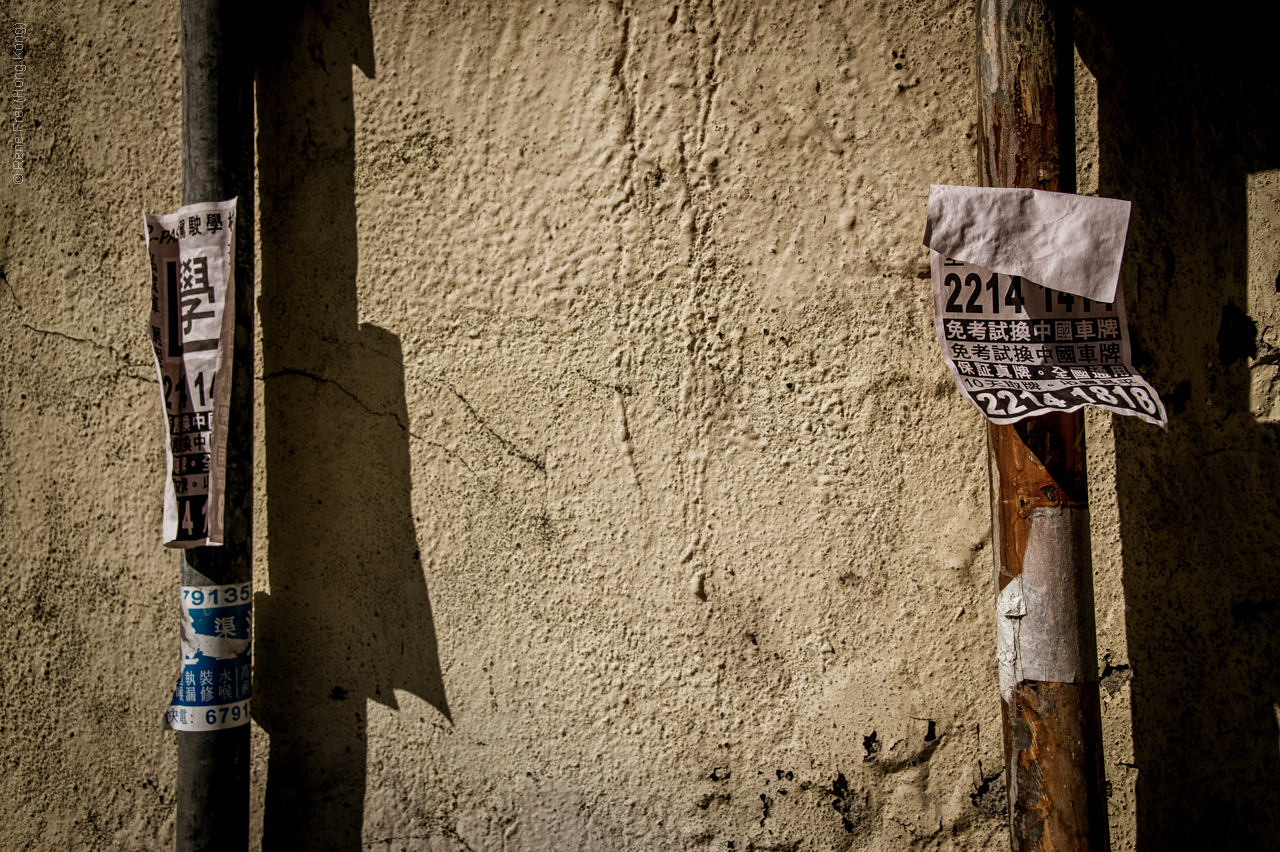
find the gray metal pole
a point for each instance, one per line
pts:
(217, 164)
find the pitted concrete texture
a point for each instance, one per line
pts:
(611, 492)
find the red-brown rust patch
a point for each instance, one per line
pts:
(1042, 465)
(1061, 720)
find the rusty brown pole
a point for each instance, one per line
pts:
(1039, 494)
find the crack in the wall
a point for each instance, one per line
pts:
(537, 461)
(119, 356)
(511, 449)
(447, 451)
(321, 379)
(13, 293)
(451, 833)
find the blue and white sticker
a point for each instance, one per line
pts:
(214, 687)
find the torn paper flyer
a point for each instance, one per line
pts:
(1028, 303)
(1016, 349)
(191, 329)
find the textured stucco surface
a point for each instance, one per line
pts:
(611, 492)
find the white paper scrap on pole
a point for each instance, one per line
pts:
(192, 328)
(1070, 243)
(1017, 349)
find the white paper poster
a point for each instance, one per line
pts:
(191, 328)
(1014, 347)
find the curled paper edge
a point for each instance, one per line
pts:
(1071, 243)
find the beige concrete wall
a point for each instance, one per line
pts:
(611, 491)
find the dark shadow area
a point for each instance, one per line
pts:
(348, 617)
(1187, 109)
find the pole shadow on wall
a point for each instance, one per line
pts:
(348, 617)
(1185, 113)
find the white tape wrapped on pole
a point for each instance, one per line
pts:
(1039, 612)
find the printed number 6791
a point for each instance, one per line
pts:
(221, 715)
